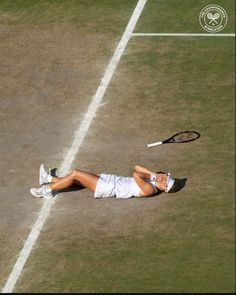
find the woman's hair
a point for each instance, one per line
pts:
(161, 172)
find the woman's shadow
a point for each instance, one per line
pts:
(179, 184)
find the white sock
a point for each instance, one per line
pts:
(49, 178)
(48, 189)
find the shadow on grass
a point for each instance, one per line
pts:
(178, 185)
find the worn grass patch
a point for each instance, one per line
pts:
(96, 16)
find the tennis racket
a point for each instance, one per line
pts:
(180, 137)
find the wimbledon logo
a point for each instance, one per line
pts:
(213, 18)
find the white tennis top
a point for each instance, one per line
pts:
(110, 185)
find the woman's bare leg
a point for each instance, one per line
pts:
(56, 179)
(86, 179)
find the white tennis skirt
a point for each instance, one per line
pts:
(105, 186)
(109, 186)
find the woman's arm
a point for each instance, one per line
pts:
(144, 172)
(141, 169)
(140, 174)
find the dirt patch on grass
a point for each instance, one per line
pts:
(48, 74)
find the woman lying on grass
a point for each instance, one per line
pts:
(144, 183)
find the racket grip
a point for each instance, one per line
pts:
(154, 144)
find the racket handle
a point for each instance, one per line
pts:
(154, 144)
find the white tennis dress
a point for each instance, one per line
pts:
(110, 186)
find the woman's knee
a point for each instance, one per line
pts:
(75, 173)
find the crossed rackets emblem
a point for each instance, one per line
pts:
(213, 18)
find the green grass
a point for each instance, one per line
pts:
(179, 261)
(181, 16)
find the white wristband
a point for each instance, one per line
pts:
(153, 177)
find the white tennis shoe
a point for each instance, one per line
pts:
(43, 175)
(42, 192)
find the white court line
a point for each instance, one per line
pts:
(78, 139)
(183, 34)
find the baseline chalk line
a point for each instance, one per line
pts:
(183, 34)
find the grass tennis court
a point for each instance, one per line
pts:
(53, 56)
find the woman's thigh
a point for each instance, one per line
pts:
(86, 179)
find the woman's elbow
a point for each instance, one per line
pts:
(135, 174)
(136, 167)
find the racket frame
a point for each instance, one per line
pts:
(168, 140)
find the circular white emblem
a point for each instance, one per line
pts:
(213, 18)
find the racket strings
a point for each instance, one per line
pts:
(187, 136)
